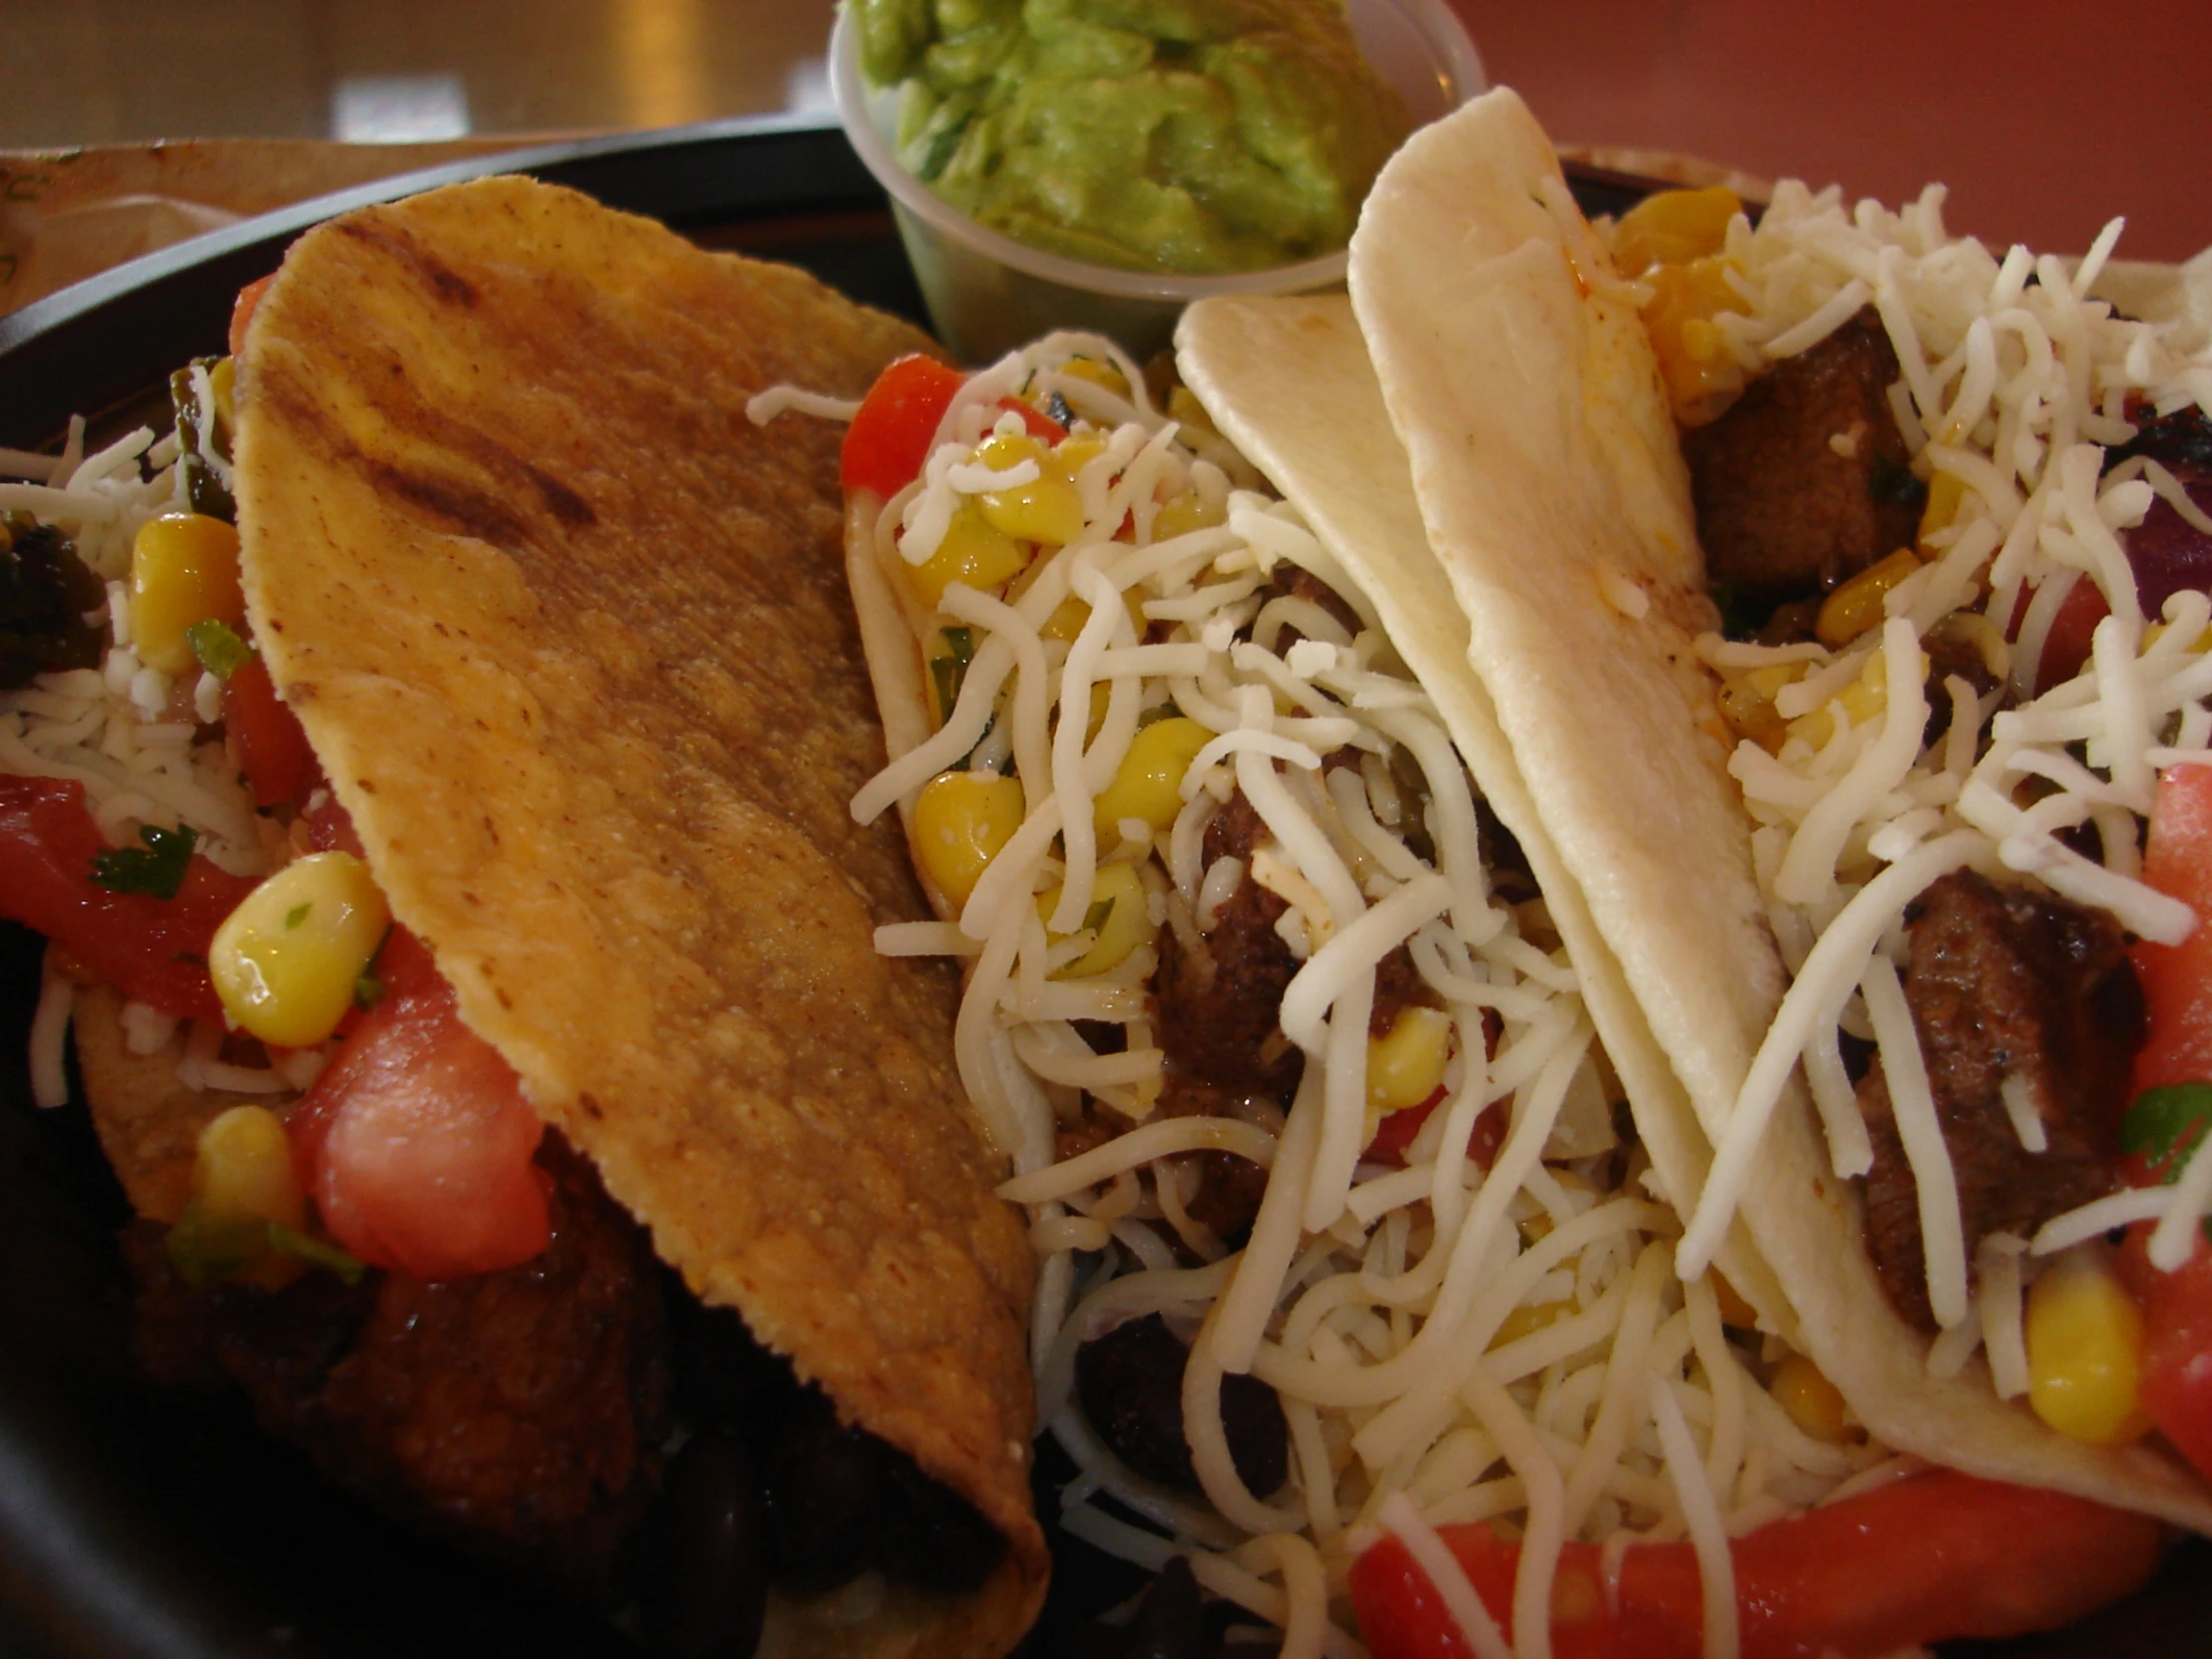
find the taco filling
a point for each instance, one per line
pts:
(1347, 1234)
(352, 1208)
(1958, 508)
(1896, 997)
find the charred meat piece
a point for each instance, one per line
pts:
(2003, 982)
(1229, 1187)
(1130, 1382)
(518, 1414)
(1950, 655)
(1291, 581)
(1803, 482)
(1217, 1005)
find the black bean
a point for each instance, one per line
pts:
(724, 1379)
(1258, 1436)
(828, 1495)
(1169, 1622)
(936, 1538)
(706, 1589)
(1130, 1382)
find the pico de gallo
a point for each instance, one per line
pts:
(413, 1150)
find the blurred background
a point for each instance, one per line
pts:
(2043, 116)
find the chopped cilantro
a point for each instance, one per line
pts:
(369, 990)
(221, 652)
(157, 870)
(208, 1251)
(1096, 918)
(949, 669)
(296, 914)
(1157, 713)
(314, 1253)
(2164, 1126)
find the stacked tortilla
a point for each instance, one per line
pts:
(1560, 563)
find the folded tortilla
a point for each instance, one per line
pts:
(568, 635)
(1542, 449)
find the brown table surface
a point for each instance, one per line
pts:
(2044, 115)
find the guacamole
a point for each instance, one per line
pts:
(1194, 136)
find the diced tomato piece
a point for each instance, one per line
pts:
(242, 311)
(153, 949)
(331, 828)
(272, 749)
(2177, 994)
(1399, 1129)
(889, 441)
(2177, 980)
(2176, 1379)
(416, 1142)
(1933, 1558)
(2066, 645)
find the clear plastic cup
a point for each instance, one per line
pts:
(989, 293)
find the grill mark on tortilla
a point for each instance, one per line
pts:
(447, 283)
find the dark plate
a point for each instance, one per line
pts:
(135, 1525)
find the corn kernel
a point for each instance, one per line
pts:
(244, 1170)
(1067, 619)
(1076, 451)
(1746, 701)
(1098, 373)
(962, 820)
(973, 552)
(1187, 411)
(1862, 699)
(1148, 782)
(1406, 1062)
(1736, 1313)
(1048, 509)
(1694, 359)
(1946, 495)
(2085, 1353)
(1181, 514)
(1528, 1318)
(1121, 913)
(285, 963)
(1813, 1404)
(183, 569)
(1673, 227)
(2158, 631)
(1855, 606)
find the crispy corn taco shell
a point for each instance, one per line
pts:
(568, 635)
(1544, 459)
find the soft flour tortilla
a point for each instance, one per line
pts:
(568, 634)
(1290, 384)
(1546, 462)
